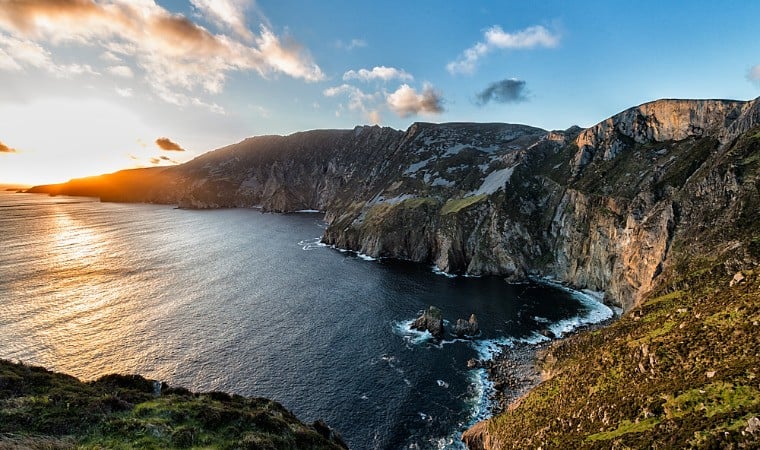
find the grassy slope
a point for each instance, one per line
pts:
(42, 409)
(679, 371)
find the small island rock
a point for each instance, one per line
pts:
(431, 320)
(467, 327)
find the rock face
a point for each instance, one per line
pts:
(431, 320)
(597, 208)
(467, 328)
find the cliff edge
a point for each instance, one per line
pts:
(43, 409)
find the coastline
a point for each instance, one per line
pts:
(512, 369)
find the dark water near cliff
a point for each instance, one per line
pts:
(245, 302)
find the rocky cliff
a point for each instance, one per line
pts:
(598, 208)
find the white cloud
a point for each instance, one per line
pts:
(536, 36)
(230, 13)
(358, 100)
(378, 73)
(108, 56)
(7, 62)
(406, 101)
(121, 71)
(174, 52)
(754, 74)
(496, 38)
(124, 92)
(16, 54)
(354, 43)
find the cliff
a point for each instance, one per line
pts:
(657, 206)
(43, 409)
(597, 208)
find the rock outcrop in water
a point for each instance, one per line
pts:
(597, 208)
(467, 328)
(431, 320)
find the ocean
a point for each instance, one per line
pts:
(253, 304)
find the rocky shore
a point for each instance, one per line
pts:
(515, 370)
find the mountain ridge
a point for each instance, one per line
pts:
(482, 199)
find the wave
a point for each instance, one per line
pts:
(437, 270)
(594, 310)
(404, 329)
(312, 244)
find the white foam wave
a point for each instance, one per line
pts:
(595, 310)
(365, 257)
(442, 384)
(312, 244)
(359, 255)
(404, 329)
(308, 211)
(437, 270)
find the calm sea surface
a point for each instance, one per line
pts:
(251, 303)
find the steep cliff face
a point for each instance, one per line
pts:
(598, 208)
(308, 170)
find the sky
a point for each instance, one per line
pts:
(94, 86)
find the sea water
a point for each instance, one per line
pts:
(253, 304)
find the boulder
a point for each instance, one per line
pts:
(738, 278)
(753, 425)
(431, 320)
(467, 327)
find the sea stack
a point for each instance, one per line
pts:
(431, 320)
(467, 328)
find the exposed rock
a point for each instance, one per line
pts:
(473, 363)
(431, 320)
(547, 333)
(738, 278)
(467, 328)
(753, 425)
(328, 433)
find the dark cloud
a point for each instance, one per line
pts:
(505, 91)
(166, 158)
(5, 149)
(155, 161)
(167, 145)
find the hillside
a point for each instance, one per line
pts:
(43, 409)
(658, 206)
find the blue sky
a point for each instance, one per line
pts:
(89, 87)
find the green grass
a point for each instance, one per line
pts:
(713, 399)
(625, 427)
(678, 371)
(43, 409)
(453, 206)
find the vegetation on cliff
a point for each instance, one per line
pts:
(679, 371)
(43, 409)
(680, 368)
